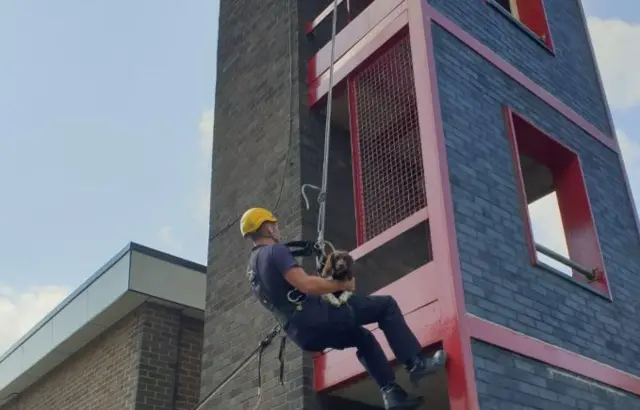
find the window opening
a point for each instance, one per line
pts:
(530, 14)
(506, 4)
(388, 165)
(558, 216)
(548, 231)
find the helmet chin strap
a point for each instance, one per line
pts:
(269, 236)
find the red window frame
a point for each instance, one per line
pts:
(573, 200)
(531, 15)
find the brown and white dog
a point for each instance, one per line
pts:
(338, 266)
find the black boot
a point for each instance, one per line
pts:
(395, 398)
(423, 366)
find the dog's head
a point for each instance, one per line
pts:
(338, 266)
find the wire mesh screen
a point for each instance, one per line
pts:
(387, 154)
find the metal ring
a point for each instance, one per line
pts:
(297, 300)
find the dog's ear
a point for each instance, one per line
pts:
(328, 264)
(350, 259)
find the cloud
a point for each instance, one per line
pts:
(616, 47)
(630, 149)
(21, 309)
(203, 196)
(203, 203)
(167, 241)
(206, 136)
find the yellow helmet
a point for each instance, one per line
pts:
(253, 219)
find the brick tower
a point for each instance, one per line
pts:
(449, 118)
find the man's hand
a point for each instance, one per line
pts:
(349, 286)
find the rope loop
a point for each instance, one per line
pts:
(304, 194)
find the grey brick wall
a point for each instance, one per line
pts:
(512, 382)
(569, 74)
(500, 284)
(250, 143)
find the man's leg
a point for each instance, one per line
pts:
(339, 332)
(385, 311)
(370, 354)
(372, 357)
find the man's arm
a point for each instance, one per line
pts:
(299, 279)
(312, 285)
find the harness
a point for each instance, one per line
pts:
(279, 310)
(282, 311)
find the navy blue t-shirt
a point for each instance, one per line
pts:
(272, 263)
(315, 318)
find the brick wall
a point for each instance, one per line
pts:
(99, 376)
(251, 139)
(258, 118)
(129, 366)
(169, 359)
(189, 359)
(499, 282)
(568, 73)
(505, 377)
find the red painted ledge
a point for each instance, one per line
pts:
(355, 56)
(340, 367)
(359, 28)
(417, 298)
(537, 349)
(398, 229)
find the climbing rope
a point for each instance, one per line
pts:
(320, 244)
(264, 343)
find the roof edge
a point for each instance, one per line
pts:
(131, 246)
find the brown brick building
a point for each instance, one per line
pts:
(129, 338)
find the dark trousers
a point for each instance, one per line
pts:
(342, 327)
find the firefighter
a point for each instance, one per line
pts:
(293, 297)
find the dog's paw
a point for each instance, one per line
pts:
(332, 300)
(345, 296)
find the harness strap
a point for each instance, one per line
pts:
(308, 248)
(283, 344)
(305, 248)
(294, 297)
